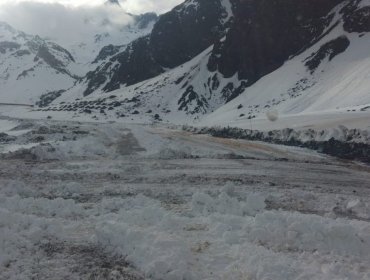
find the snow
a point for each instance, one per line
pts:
(78, 193)
(22, 77)
(189, 4)
(6, 125)
(177, 206)
(91, 40)
(226, 4)
(222, 242)
(335, 94)
(363, 3)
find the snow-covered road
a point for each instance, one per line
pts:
(115, 201)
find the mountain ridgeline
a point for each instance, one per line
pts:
(258, 36)
(30, 64)
(177, 37)
(203, 56)
(266, 33)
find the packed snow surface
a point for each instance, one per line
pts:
(119, 201)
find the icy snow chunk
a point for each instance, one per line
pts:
(71, 188)
(353, 203)
(179, 153)
(255, 203)
(224, 204)
(220, 237)
(294, 231)
(148, 248)
(13, 188)
(43, 207)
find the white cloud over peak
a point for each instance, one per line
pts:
(70, 21)
(131, 6)
(55, 20)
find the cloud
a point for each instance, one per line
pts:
(66, 23)
(131, 6)
(72, 22)
(61, 19)
(141, 6)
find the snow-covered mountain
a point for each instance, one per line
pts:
(229, 61)
(87, 41)
(31, 66)
(172, 42)
(253, 56)
(328, 76)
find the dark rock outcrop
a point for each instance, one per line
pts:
(258, 39)
(186, 31)
(328, 50)
(266, 33)
(143, 21)
(190, 96)
(45, 54)
(177, 37)
(356, 19)
(106, 52)
(49, 97)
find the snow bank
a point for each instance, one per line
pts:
(58, 207)
(293, 231)
(175, 153)
(6, 125)
(224, 238)
(342, 142)
(224, 204)
(20, 238)
(211, 236)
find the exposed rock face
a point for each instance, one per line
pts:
(46, 55)
(177, 37)
(186, 31)
(106, 52)
(356, 19)
(49, 97)
(260, 37)
(142, 21)
(240, 41)
(31, 66)
(328, 50)
(190, 96)
(130, 66)
(266, 33)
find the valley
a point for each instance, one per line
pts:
(217, 140)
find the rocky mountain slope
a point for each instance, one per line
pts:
(87, 42)
(330, 76)
(171, 43)
(253, 56)
(30, 66)
(232, 61)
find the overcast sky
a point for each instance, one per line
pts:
(64, 21)
(132, 6)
